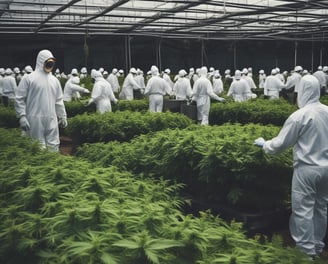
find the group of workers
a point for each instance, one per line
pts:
(39, 103)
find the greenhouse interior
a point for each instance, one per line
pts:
(163, 132)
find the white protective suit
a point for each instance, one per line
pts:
(9, 85)
(307, 130)
(182, 88)
(102, 93)
(72, 86)
(293, 81)
(128, 86)
(156, 88)
(217, 85)
(272, 86)
(202, 93)
(113, 80)
(140, 79)
(262, 77)
(1, 84)
(166, 77)
(39, 98)
(239, 88)
(250, 81)
(321, 76)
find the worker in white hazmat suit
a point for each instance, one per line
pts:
(182, 87)
(166, 77)
(306, 130)
(262, 77)
(129, 85)
(321, 76)
(72, 86)
(217, 83)
(156, 88)
(273, 85)
(113, 80)
(140, 79)
(202, 93)
(2, 74)
(293, 81)
(102, 93)
(39, 102)
(9, 87)
(239, 88)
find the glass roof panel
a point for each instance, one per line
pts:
(227, 19)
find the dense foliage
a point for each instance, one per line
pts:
(324, 99)
(74, 108)
(121, 126)
(8, 118)
(219, 164)
(261, 111)
(59, 209)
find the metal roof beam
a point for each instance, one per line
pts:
(108, 9)
(292, 6)
(160, 15)
(57, 12)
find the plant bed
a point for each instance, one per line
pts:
(59, 209)
(219, 165)
(253, 222)
(121, 125)
(260, 111)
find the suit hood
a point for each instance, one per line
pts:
(42, 57)
(308, 91)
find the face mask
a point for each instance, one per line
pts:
(49, 65)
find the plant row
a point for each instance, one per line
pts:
(255, 111)
(121, 126)
(74, 108)
(261, 111)
(59, 209)
(218, 164)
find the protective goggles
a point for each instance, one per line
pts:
(49, 64)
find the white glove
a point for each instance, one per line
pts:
(86, 91)
(25, 125)
(62, 122)
(259, 142)
(222, 100)
(90, 102)
(115, 101)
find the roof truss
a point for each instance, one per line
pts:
(207, 19)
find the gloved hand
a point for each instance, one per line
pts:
(259, 142)
(24, 124)
(222, 100)
(115, 101)
(89, 103)
(62, 122)
(86, 91)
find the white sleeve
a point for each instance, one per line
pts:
(21, 94)
(287, 136)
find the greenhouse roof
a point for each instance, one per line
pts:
(205, 19)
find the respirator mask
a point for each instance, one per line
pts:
(49, 65)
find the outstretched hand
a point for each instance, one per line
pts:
(259, 142)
